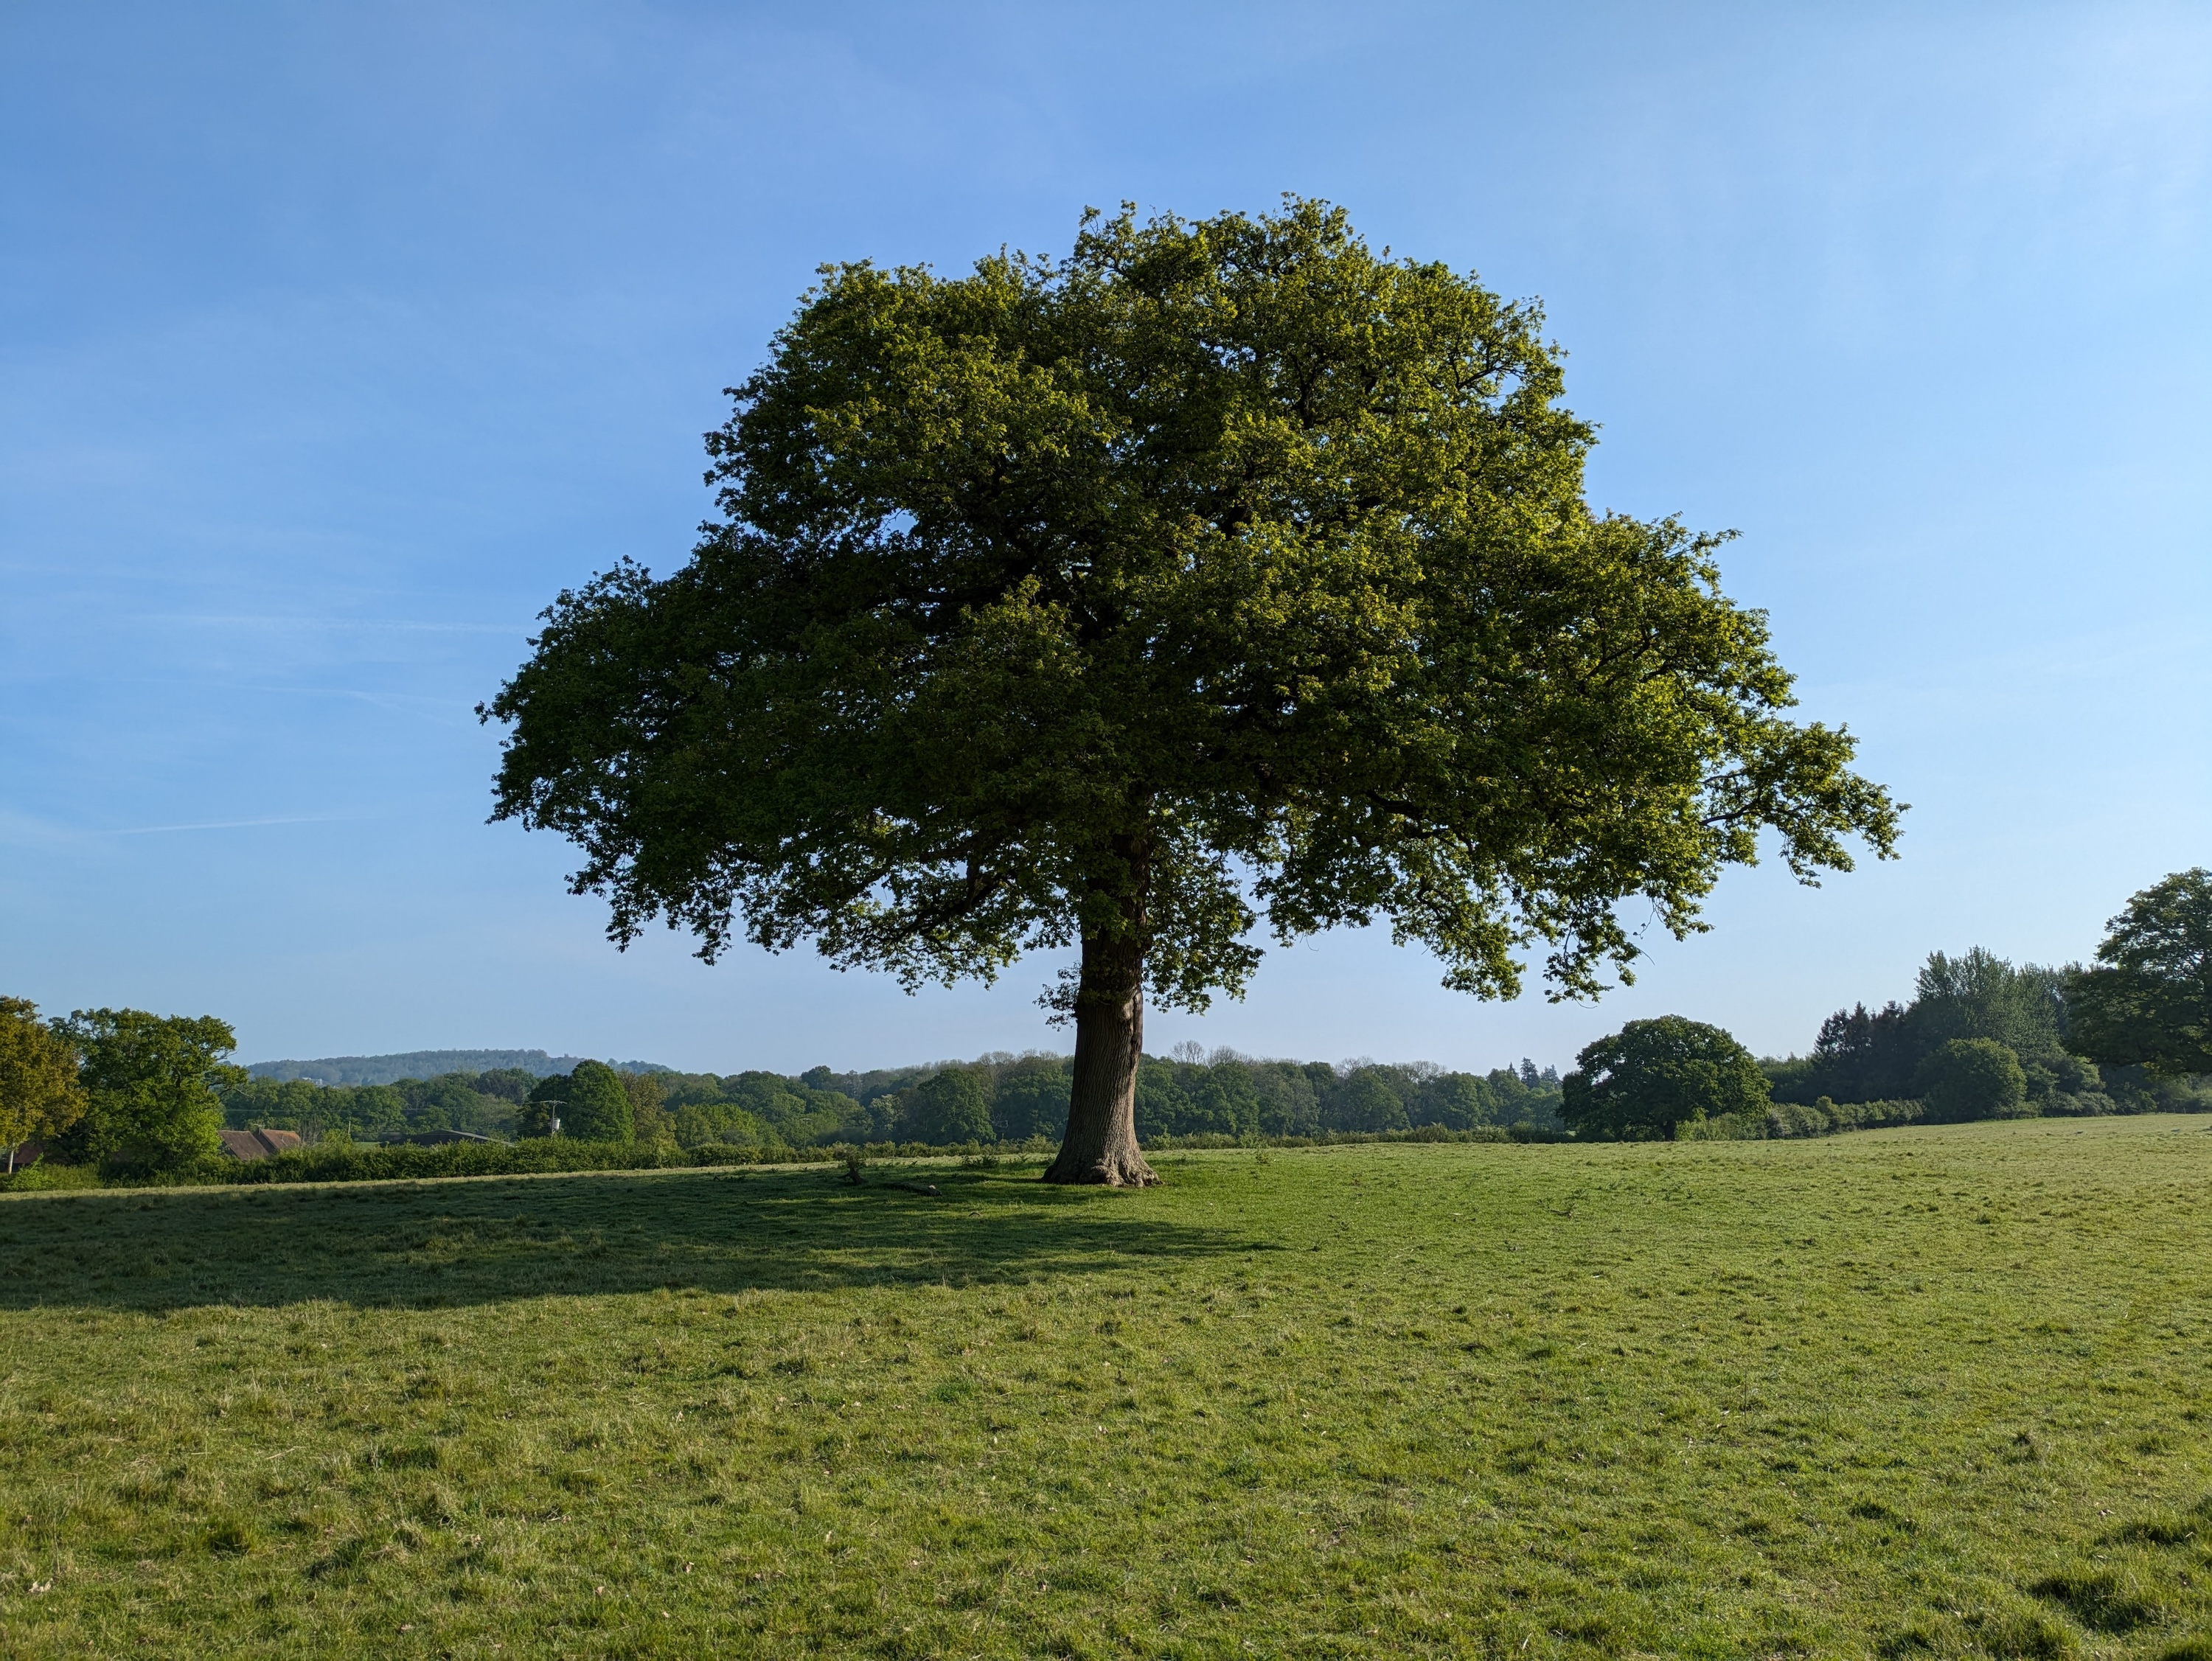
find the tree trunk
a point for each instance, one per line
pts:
(1101, 1144)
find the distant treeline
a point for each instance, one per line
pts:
(126, 1096)
(1972, 1019)
(419, 1064)
(998, 1098)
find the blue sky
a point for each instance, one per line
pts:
(338, 339)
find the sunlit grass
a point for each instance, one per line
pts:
(1917, 1391)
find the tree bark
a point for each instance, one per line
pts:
(1101, 1144)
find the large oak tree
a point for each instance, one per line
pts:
(1219, 569)
(2148, 1002)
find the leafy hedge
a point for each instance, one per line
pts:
(1789, 1119)
(351, 1161)
(1344, 1138)
(46, 1177)
(374, 1162)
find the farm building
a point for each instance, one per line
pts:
(258, 1144)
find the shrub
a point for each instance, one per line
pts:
(2088, 1104)
(46, 1176)
(1973, 1078)
(345, 1161)
(1723, 1127)
(1783, 1119)
(1790, 1118)
(1871, 1115)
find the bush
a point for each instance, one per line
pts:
(1791, 1119)
(2090, 1104)
(1429, 1133)
(1974, 1078)
(1783, 1119)
(46, 1177)
(1723, 1127)
(1871, 1115)
(347, 1161)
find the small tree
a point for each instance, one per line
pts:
(1974, 1078)
(593, 1103)
(1457, 1101)
(951, 1108)
(1104, 603)
(40, 1095)
(596, 1107)
(1031, 1099)
(1971, 1078)
(1652, 1076)
(539, 1114)
(649, 1120)
(2149, 1001)
(151, 1084)
(1982, 995)
(1365, 1101)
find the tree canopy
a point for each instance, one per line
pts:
(1219, 571)
(2049, 1020)
(1652, 1078)
(1970, 1078)
(2147, 1002)
(150, 1084)
(592, 1104)
(39, 1095)
(953, 1107)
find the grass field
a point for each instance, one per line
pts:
(1923, 1391)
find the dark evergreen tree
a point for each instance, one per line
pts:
(1864, 1055)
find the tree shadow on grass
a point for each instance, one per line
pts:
(429, 1245)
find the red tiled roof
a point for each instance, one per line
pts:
(257, 1144)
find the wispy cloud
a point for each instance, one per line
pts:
(229, 824)
(20, 830)
(391, 626)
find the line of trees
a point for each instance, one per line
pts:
(1982, 1038)
(127, 1095)
(133, 1093)
(487, 1103)
(1000, 1098)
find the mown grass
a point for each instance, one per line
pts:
(1925, 1391)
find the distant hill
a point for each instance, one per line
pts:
(428, 1064)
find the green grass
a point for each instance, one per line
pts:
(1924, 1391)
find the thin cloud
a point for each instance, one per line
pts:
(231, 824)
(398, 626)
